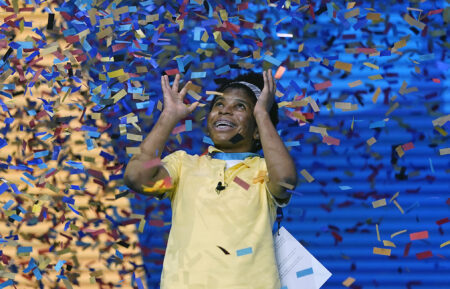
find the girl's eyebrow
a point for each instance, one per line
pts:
(239, 100)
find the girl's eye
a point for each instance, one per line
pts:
(240, 106)
(218, 103)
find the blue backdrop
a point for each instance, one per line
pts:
(376, 70)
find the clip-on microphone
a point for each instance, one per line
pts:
(220, 187)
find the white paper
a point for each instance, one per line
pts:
(296, 266)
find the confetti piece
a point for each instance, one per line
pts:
(381, 251)
(305, 272)
(331, 140)
(375, 95)
(418, 236)
(379, 203)
(349, 281)
(407, 146)
(307, 176)
(280, 72)
(398, 206)
(406, 251)
(445, 151)
(413, 22)
(355, 83)
(323, 85)
(343, 65)
(387, 243)
(394, 197)
(445, 244)
(442, 221)
(424, 255)
(378, 232)
(245, 251)
(241, 183)
(371, 141)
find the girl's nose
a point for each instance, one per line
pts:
(226, 109)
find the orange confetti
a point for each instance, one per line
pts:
(280, 72)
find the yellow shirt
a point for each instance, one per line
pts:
(219, 241)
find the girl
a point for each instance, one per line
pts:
(224, 202)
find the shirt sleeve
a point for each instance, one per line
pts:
(279, 202)
(172, 164)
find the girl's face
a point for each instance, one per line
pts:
(231, 124)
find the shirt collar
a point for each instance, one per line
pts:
(218, 154)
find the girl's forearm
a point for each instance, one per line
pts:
(280, 165)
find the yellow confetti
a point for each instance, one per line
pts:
(351, 13)
(350, 5)
(379, 203)
(141, 225)
(373, 16)
(134, 137)
(300, 47)
(307, 176)
(399, 151)
(371, 65)
(392, 108)
(119, 95)
(387, 243)
(343, 105)
(343, 65)
(445, 244)
(441, 131)
(445, 151)
(413, 22)
(398, 206)
(133, 150)
(378, 232)
(371, 141)
(355, 83)
(375, 77)
(394, 197)
(348, 282)
(375, 95)
(381, 251)
(398, 233)
(116, 73)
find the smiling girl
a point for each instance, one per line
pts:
(224, 202)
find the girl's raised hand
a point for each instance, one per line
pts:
(266, 99)
(173, 100)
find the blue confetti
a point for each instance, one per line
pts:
(245, 251)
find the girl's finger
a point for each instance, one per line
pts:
(184, 90)
(193, 106)
(265, 79)
(176, 83)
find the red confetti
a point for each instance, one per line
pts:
(156, 223)
(241, 183)
(418, 235)
(407, 247)
(408, 146)
(323, 85)
(424, 255)
(331, 140)
(172, 71)
(442, 221)
(436, 80)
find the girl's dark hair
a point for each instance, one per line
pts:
(255, 79)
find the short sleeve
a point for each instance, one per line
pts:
(172, 163)
(278, 202)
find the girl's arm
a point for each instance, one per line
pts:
(174, 110)
(280, 165)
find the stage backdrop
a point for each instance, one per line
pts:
(364, 110)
